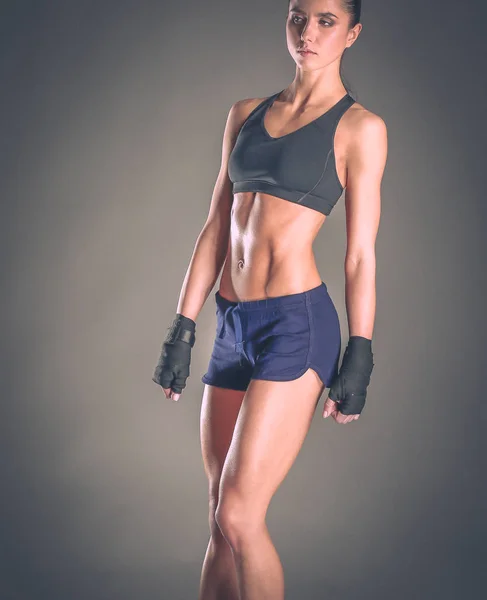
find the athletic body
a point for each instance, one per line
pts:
(251, 437)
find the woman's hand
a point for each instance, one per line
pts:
(331, 409)
(348, 389)
(173, 367)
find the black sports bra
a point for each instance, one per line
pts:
(298, 166)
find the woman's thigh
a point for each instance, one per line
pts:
(271, 427)
(219, 412)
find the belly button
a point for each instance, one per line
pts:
(240, 264)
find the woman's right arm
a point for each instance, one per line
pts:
(212, 243)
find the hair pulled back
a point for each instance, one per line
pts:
(354, 9)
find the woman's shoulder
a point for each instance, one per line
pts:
(244, 107)
(363, 129)
(360, 118)
(240, 111)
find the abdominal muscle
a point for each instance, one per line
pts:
(270, 248)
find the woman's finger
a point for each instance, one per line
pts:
(344, 419)
(329, 407)
(170, 395)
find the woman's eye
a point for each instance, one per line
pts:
(295, 19)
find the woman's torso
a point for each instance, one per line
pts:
(270, 244)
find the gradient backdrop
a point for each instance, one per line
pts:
(112, 116)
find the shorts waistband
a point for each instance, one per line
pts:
(313, 295)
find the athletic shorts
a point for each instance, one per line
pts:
(275, 338)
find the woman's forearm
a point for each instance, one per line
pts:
(204, 268)
(360, 297)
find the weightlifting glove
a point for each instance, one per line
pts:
(349, 388)
(172, 370)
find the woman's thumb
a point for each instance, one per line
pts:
(329, 407)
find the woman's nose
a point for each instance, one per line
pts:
(307, 32)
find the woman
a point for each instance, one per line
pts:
(285, 162)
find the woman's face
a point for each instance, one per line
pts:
(321, 26)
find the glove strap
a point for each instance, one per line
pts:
(358, 357)
(183, 328)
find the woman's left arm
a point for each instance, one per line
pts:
(366, 160)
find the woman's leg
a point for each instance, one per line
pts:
(219, 412)
(271, 427)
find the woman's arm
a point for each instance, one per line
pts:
(366, 160)
(212, 242)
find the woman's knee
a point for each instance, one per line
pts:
(215, 530)
(238, 519)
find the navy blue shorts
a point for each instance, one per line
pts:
(276, 339)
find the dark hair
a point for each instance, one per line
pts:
(354, 9)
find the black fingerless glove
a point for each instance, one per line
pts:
(349, 388)
(173, 367)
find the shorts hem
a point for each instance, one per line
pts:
(265, 377)
(324, 381)
(226, 386)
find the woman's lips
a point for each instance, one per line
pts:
(306, 52)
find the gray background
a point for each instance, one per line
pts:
(112, 116)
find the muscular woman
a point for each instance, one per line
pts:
(286, 159)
